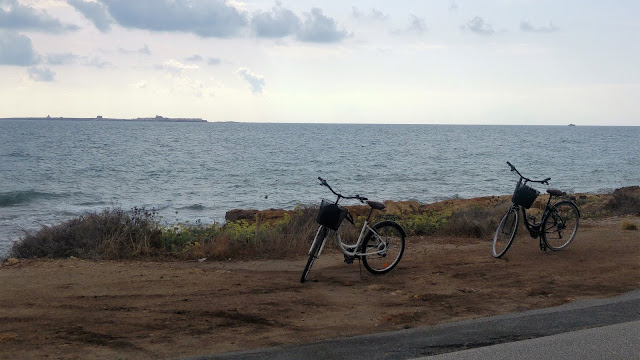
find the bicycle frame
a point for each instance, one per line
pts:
(349, 250)
(534, 228)
(352, 250)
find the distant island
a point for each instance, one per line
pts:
(157, 118)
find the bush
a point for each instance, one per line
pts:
(475, 222)
(628, 225)
(112, 233)
(427, 223)
(624, 201)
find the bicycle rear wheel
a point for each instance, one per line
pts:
(313, 251)
(560, 225)
(506, 232)
(383, 247)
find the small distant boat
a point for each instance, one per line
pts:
(572, 124)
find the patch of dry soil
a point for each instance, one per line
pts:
(76, 309)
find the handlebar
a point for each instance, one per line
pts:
(513, 168)
(323, 182)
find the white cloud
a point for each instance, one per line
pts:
(527, 27)
(176, 68)
(256, 81)
(194, 58)
(16, 16)
(140, 84)
(477, 25)
(41, 74)
(94, 11)
(210, 18)
(143, 50)
(61, 59)
(16, 49)
(319, 28)
(278, 22)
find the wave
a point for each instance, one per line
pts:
(198, 207)
(12, 198)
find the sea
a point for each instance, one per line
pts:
(55, 170)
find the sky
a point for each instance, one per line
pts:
(540, 62)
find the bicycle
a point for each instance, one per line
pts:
(379, 247)
(557, 227)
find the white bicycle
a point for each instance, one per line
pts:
(380, 246)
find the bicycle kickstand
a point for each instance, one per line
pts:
(543, 246)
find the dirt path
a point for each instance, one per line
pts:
(76, 309)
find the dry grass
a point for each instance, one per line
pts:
(628, 225)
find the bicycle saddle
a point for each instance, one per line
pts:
(376, 205)
(556, 192)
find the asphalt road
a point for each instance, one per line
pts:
(612, 342)
(586, 329)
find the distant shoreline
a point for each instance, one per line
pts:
(100, 118)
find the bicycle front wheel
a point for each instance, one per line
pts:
(506, 232)
(313, 251)
(383, 247)
(560, 225)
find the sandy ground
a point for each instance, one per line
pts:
(77, 309)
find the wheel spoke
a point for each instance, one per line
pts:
(561, 225)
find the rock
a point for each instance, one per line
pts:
(240, 214)
(11, 262)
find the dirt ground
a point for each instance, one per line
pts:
(77, 309)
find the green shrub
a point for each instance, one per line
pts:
(427, 223)
(628, 225)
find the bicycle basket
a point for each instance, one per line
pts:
(524, 195)
(331, 215)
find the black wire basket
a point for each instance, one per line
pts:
(524, 195)
(331, 215)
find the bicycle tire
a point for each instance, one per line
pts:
(390, 248)
(506, 232)
(561, 220)
(313, 251)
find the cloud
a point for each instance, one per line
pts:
(417, 24)
(16, 49)
(206, 18)
(194, 58)
(453, 7)
(279, 22)
(140, 84)
(176, 68)
(256, 81)
(41, 74)
(61, 59)
(527, 27)
(96, 12)
(374, 14)
(477, 25)
(214, 61)
(143, 50)
(379, 15)
(100, 64)
(319, 28)
(16, 16)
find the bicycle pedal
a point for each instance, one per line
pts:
(348, 259)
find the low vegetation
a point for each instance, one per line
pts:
(140, 233)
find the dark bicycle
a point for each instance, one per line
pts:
(380, 246)
(557, 227)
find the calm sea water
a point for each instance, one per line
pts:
(54, 170)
